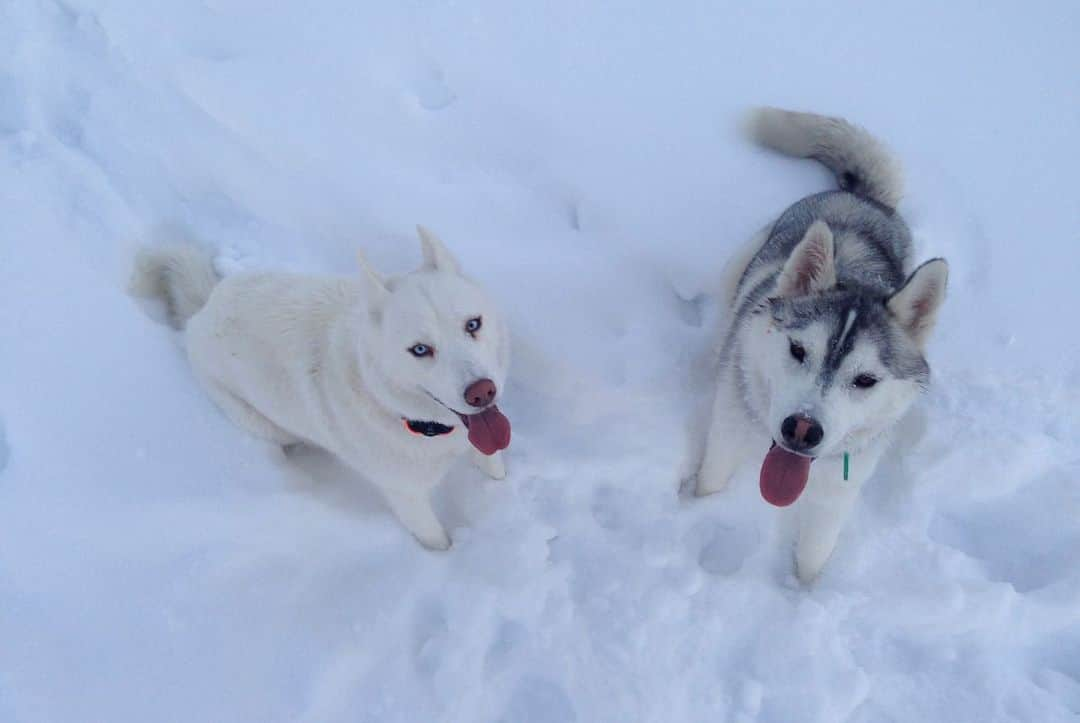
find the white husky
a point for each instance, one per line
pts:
(394, 376)
(824, 350)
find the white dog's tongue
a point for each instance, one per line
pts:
(783, 476)
(489, 431)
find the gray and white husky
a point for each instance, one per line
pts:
(397, 377)
(824, 351)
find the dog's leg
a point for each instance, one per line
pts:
(246, 417)
(825, 508)
(412, 506)
(727, 443)
(820, 522)
(491, 465)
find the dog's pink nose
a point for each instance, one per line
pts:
(480, 392)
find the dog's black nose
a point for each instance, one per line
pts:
(801, 433)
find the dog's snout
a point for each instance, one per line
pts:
(480, 393)
(801, 433)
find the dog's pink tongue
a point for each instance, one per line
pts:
(783, 476)
(489, 431)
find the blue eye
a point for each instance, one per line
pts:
(421, 350)
(473, 325)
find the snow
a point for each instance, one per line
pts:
(583, 161)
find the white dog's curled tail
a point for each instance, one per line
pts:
(181, 275)
(861, 163)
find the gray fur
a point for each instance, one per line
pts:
(860, 162)
(872, 259)
(873, 244)
(873, 250)
(871, 323)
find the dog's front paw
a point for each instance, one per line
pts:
(708, 484)
(438, 541)
(808, 569)
(491, 465)
(496, 469)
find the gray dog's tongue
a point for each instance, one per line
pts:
(783, 476)
(489, 431)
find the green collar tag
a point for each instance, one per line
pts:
(845, 466)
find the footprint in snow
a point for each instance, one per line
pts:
(692, 311)
(12, 108)
(538, 700)
(1057, 670)
(431, 89)
(726, 548)
(66, 114)
(611, 508)
(5, 451)
(986, 531)
(508, 641)
(429, 636)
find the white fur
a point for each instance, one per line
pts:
(182, 276)
(840, 145)
(853, 421)
(325, 361)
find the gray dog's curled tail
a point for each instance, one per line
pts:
(181, 275)
(861, 163)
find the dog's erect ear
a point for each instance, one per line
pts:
(811, 266)
(436, 255)
(916, 304)
(374, 285)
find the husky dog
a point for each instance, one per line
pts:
(824, 351)
(396, 377)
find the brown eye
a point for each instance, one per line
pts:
(797, 351)
(473, 325)
(421, 350)
(864, 381)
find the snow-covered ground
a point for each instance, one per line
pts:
(582, 159)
